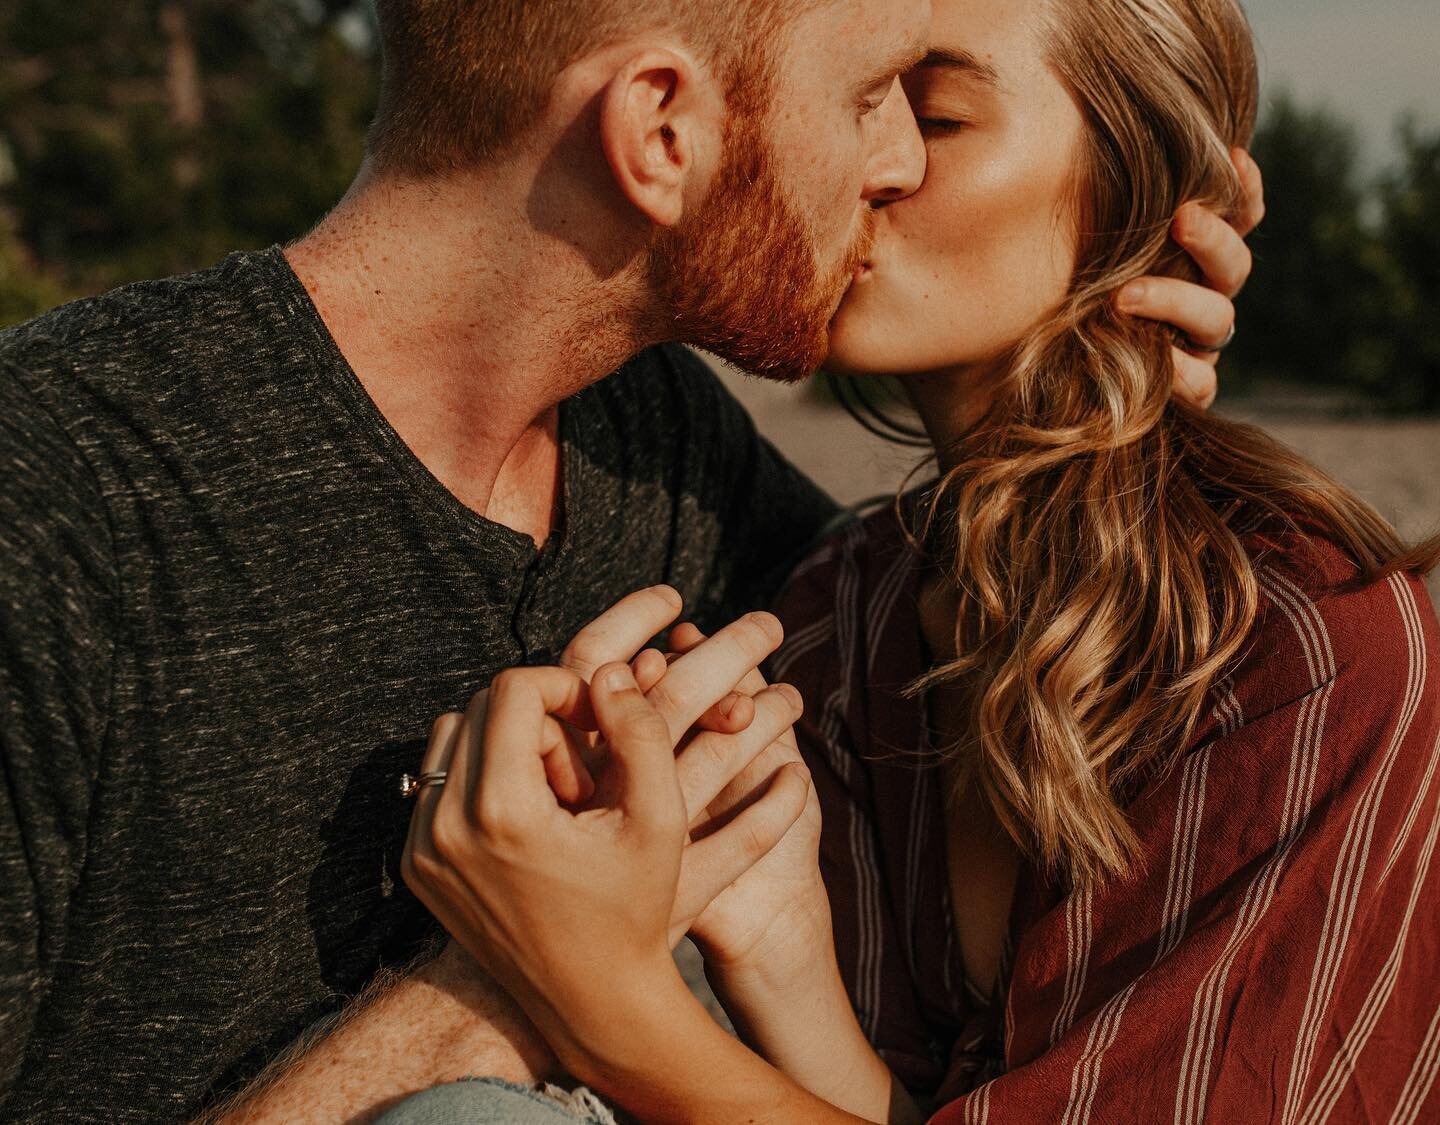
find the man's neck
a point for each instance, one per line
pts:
(467, 329)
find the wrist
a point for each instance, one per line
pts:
(789, 949)
(615, 1028)
(794, 1011)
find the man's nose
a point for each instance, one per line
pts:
(897, 163)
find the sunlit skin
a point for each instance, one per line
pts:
(842, 134)
(985, 249)
(755, 271)
(962, 268)
(960, 271)
(496, 314)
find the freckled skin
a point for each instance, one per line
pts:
(820, 141)
(984, 250)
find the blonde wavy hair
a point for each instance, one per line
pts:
(1091, 525)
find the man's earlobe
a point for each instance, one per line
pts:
(647, 113)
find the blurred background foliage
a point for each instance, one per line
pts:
(153, 137)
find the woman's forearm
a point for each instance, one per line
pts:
(799, 1018)
(653, 1048)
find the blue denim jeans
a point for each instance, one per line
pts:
(493, 1101)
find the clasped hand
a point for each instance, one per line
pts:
(595, 811)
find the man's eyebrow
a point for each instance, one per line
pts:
(902, 62)
(944, 59)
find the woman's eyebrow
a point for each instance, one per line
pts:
(943, 58)
(910, 58)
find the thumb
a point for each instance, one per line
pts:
(641, 748)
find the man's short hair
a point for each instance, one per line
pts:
(461, 80)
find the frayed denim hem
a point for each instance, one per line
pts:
(483, 1101)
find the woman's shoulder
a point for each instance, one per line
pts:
(1320, 627)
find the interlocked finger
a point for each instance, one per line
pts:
(708, 672)
(712, 759)
(622, 630)
(711, 864)
(687, 635)
(737, 710)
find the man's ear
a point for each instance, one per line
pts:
(661, 119)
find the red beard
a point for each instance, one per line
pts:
(740, 274)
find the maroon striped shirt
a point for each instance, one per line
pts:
(1277, 955)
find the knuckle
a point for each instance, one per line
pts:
(646, 724)
(419, 868)
(711, 750)
(408, 869)
(663, 697)
(448, 840)
(509, 687)
(755, 842)
(580, 655)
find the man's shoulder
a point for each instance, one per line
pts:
(138, 326)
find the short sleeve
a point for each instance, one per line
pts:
(1273, 957)
(57, 606)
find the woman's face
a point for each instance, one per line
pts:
(986, 248)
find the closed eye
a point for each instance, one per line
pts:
(940, 124)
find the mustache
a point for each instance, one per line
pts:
(863, 244)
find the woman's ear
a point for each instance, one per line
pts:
(661, 122)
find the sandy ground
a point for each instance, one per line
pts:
(1395, 465)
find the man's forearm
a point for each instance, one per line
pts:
(447, 1020)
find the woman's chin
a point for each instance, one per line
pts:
(858, 349)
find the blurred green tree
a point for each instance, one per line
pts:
(1314, 309)
(149, 138)
(1410, 201)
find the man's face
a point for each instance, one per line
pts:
(756, 273)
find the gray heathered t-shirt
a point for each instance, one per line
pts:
(231, 602)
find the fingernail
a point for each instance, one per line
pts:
(618, 678)
(1130, 297)
(792, 696)
(770, 624)
(727, 705)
